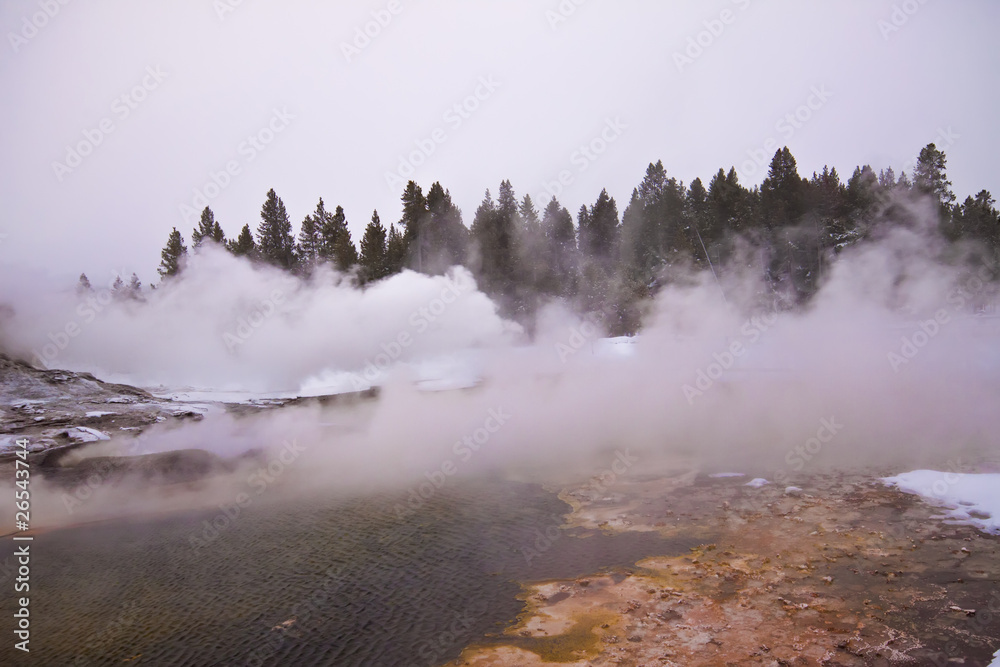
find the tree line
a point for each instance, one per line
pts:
(610, 263)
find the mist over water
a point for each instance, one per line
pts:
(889, 363)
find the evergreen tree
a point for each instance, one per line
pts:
(274, 234)
(529, 217)
(493, 236)
(826, 193)
(374, 264)
(335, 244)
(208, 228)
(345, 254)
(415, 215)
(444, 237)
(728, 202)
(976, 218)
(243, 245)
(656, 229)
(707, 234)
(599, 237)
(929, 176)
(862, 192)
(172, 256)
(782, 195)
(118, 288)
(134, 288)
(559, 256)
(217, 234)
(395, 251)
(309, 238)
(83, 286)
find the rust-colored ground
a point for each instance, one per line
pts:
(845, 572)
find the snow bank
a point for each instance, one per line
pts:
(962, 494)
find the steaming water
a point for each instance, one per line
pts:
(387, 590)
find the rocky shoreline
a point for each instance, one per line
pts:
(60, 412)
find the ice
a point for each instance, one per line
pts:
(964, 494)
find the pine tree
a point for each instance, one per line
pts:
(373, 260)
(310, 239)
(728, 202)
(415, 215)
(83, 286)
(977, 218)
(243, 245)
(599, 229)
(782, 195)
(559, 257)
(345, 254)
(335, 244)
(698, 219)
(444, 236)
(395, 251)
(208, 228)
(929, 176)
(134, 288)
(217, 234)
(172, 256)
(492, 235)
(274, 234)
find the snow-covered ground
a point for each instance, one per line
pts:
(970, 498)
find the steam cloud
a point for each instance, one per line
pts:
(890, 350)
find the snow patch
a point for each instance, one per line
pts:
(621, 346)
(98, 413)
(84, 434)
(721, 475)
(963, 494)
(757, 482)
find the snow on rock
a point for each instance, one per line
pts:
(186, 409)
(121, 399)
(972, 499)
(99, 413)
(793, 491)
(757, 482)
(84, 434)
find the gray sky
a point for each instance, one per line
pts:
(158, 97)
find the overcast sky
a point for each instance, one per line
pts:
(116, 113)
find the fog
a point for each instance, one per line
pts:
(889, 364)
